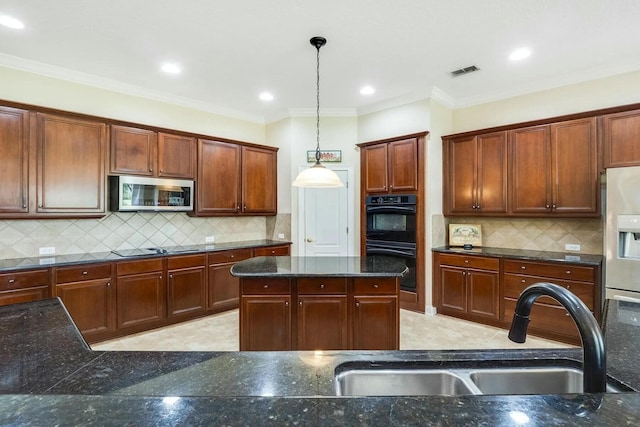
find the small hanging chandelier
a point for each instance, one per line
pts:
(317, 176)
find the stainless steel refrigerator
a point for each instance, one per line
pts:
(622, 234)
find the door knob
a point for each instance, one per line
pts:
(309, 239)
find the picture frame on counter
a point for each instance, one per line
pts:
(327, 156)
(465, 235)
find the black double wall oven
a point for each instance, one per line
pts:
(391, 231)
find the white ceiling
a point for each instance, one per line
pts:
(231, 50)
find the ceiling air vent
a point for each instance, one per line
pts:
(463, 71)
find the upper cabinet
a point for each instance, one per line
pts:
(475, 174)
(391, 166)
(554, 169)
(136, 151)
(14, 152)
(621, 138)
(235, 179)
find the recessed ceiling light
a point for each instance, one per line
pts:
(11, 22)
(367, 90)
(266, 96)
(170, 68)
(519, 54)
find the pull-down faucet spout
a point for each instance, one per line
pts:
(594, 359)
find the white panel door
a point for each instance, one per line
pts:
(326, 220)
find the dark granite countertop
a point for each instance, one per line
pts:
(572, 257)
(285, 266)
(50, 377)
(94, 257)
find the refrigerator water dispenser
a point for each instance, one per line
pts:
(629, 236)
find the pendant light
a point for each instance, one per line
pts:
(317, 176)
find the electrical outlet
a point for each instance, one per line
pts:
(280, 235)
(209, 239)
(572, 247)
(49, 250)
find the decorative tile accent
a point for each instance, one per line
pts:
(126, 230)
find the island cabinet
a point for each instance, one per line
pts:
(140, 294)
(376, 320)
(223, 288)
(322, 314)
(265, 314)
(186, 286)
(548, 318)
(554, 169)
(621, 139)
(475, 174)
(467, 287)
(390, 166)
(234, 179)
(14, 152)
(136, 151)
(89, 297)
(24, 286)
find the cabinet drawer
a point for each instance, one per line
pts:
(547, 318)
(230, 256)
(86, 272)
(514, 284)
(331, 285)
(271, 251)
(265, 286)
(28, 279)
(185, 261)
(556, 271)
(141, 266)
(471, 261)
(375, 286)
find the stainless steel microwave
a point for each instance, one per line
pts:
(138, 193)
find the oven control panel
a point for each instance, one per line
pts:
(409, 199)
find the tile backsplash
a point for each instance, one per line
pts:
(539, 233)
(128, 230)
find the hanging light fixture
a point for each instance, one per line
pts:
(317, 176)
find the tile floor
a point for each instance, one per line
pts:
(417, 332)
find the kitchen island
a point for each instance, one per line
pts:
(341, 303)
(51, 377)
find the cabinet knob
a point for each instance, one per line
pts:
(150, 169)
(171, 276)
(286, 303)
(568, 287)
(161, 170)
(84, 273)
(375, 285)
(547, 206)
(321, 285)
(265, 286)
(523, 267)
(12, 280)
(300, 303)
(466, 261)
(357, 304)
(568, 272)
(108, 284)
(553, 206)
(523, 281)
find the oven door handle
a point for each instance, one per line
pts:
(391, 209)
(373, 250)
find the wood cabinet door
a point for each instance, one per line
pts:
(452, 289)
(530, 177)
(24, 295)
(140, 299)
(322, 322)
(224, 289)
(14, 152)
(90, 305)
(374, 166)
(176, 156)
(484, 293)
(491, 187)
(265, 323)
(259, 180)
(133, 151)
(621, 139)
(218, 183)
(403, 165)
(460, 172)
(70, 165)
(375, 323)
(574, 167)
(186, 291)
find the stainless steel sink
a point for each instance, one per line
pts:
(389, 380)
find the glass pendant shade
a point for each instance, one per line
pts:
(317, 176)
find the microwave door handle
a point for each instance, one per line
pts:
(389, 209)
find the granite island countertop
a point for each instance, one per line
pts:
(326, 266)
(51, 377)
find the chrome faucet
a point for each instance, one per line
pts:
(594, 359)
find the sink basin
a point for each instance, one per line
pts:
(398, 379)
(399, 382)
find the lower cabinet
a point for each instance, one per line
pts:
(140, 294)
(24, 286)
(468, 286)
(88, 295)
(223, 288)
(331, 313)
(186, 286)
